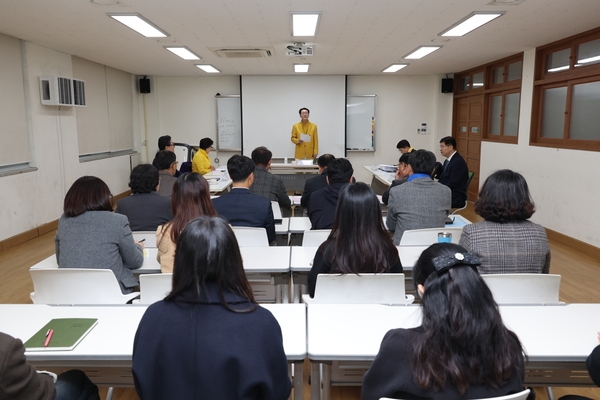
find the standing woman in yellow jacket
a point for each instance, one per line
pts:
(305, 149)
(201, 162)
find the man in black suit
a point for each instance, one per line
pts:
(241, 207)
(317, 182)
(455, 172)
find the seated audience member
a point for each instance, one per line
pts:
(322, 203)
(208, 338)
(167, 166)
(455, 173)
(201, 161)
(145, 209)
(419, 203)
(90, 235)
(190, 199)
(404, 147)
(265, 183)
(20, 380)
(316, 182)
(506, 242)
(358, 242)
(462, 350)
(165, 143)
(401, 176)
(241, 207)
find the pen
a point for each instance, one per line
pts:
(48, 337)
(142, 240)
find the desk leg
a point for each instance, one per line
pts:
(298, 380)
(326, 381)
(550, 393)
(315, 380)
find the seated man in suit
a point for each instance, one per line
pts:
(316, 182)
(145, 209)
(165, 143)
(323, 202)
(421, 202)
(265, 183)
(167, 167)
(401, 176)
(241, 207)
(455, 173)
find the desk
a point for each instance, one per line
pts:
(218, 180)
(105, 353)
(343, 332)
(381, 180)
(299, 224)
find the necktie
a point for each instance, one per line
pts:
(445, 163)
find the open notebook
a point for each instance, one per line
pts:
(68, 332)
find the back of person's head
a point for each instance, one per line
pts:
(164, 159)
(164, 142)
(240, 167)
(505, 197)
(324, 160)
(143, 179)
(205, 143)
(261, 156)
(208, 252)
(404, 158)
(422, 162)
(449, 141)
(358, 241)
(190, 199)
(339, 171)
(463, 340)
(87, 193)
(403, 144)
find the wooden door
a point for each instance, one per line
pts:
(467, 130)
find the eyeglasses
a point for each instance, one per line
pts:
(171, 144)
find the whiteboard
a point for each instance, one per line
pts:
(360, 123)
(229, 123)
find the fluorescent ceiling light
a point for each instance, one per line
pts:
(208, 68)
(558, 68)
(183, 52)
(305, 24)
(421, 52)
(301, 67)
(470, 23)
(395, 67)
(139, 24)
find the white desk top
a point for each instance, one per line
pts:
(283, 228)
(299, 224)
(384, 177)
(218, 180)
(303, 256)
(293, 328)
(294, 166)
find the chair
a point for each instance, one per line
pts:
(276, 210)
(360, 289)
(154, 287)
(428, 236)
(466, 192)
(315, 237)
(148, 236)
(515, 396)
(77, 286)
(524, 288)
(251, 237)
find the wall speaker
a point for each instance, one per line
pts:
(144, 85)
(447, 85)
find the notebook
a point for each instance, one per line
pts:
(68, 332)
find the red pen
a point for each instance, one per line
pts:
(48, 337)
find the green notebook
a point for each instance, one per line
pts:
(68, 332)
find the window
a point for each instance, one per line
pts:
(471, 81)
(504, 114)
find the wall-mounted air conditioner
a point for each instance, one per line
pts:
(61, 91)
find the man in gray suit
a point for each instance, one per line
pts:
(420, 202)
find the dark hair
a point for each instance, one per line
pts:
(240, 167)
(449, 141)
(324, 160)
(505, 197)
(261, 155)
(208, 252)
(358, 241)
(143, 179)
(404, 158)
(303, 108)
(164, 142)
(205, 143)
(164, 159)
(402, 144)
(87, 193)
(463, 340)
(339, 171)
(422, 162)
(190, 199)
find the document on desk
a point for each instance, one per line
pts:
(305, 138)
(66, 333)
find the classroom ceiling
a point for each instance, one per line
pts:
(355, 37)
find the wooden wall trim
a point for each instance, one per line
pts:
(575, 244)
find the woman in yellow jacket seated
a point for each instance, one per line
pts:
(201, 162)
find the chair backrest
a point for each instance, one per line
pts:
(515, 396)
(360, 289)
(524, 288)
(148, 236)
(276, 210)
(251, 237)
(154, 287)
(429, 236)
(315, 237)
(77, 286)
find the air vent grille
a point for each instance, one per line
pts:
(243, 53)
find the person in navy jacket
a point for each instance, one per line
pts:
(455, 172)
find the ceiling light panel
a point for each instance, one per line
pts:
(421, 52)
(305, 24)
(470, 23)
(139, 24)
(183, 52)
(208, 68)
(395, 67)
(301, 67)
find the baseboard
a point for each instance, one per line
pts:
(575, 244)
(40, 230)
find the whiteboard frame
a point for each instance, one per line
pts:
(219, 148)
(374, 126)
